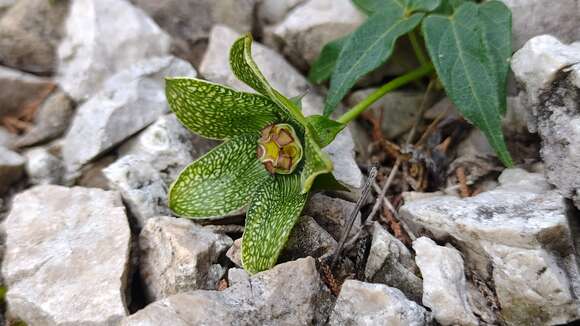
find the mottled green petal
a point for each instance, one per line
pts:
(274, 210)
(216, 111)
(247, 71)
(316, 162)
(220, 182)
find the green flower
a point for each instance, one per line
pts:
(268, 162)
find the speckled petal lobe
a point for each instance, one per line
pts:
(220, 182)
(218, 112)
(274, 210)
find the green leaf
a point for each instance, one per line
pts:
(220, 182)
(405, 6)
(273, 212)
(466, 69)
(327, 181)
(448, 7)
(496, 22)
(218, 112)
(323, 67)
(368, 47)
(316, 162)
(326, 129)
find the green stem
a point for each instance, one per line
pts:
(421, 56)
(390, 86)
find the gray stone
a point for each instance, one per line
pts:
(286, 79)
(42, 167)
(67, 256)
(506, 235)
(51, 120)
(312, 24)
(399, 108)
(274, 11)
(444, 284)
(308, 239)
(189, 22)
(550, 75)
(18, 89)
(168, 146)
(11, 168)
(390, 262)
(234, 253)
(332, 214)
(29, 35)
(102, 38)
(7, 138)
(141, 186)
(369, 304)
(288, 294)
(128, 102)
(532, 17)
(178, 255)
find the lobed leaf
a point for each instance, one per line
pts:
(405, 6)
(459, 53)
(218, 112)
(324, 65)
(368, 47)
(220, 182)
(273, 212)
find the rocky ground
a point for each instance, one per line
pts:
(88, 148)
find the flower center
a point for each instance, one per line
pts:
(279, 148)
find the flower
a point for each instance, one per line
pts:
(268, 162)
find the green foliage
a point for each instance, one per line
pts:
(230, 177)
(468, 43)
(472, 64)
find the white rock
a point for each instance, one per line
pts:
(286, 79)
(11, 167)
(189, 21)
(128, 102)
(289, 294)
(141, 186)
(532, 17)
(309, 26)
(238, 276)
(42, 167)
(103, 37)
(444, 285)
(168, 146)
(550, 74)
(513, 231)
(235, 252)
(67, 256)
(370, 304)
(178, 255)
(274, 11)
(6, 138)
(390, 262)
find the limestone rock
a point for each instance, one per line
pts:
(332, 214)
(274, 11)
(370, 304)
(51, 120)
(506, 235)
(390, 262)
(286, 79)
(550, 75)
(67, 256)
(444, 284)
(178, 255)
(42, 167)
(189, 22)
(288, 294)
(309, 26)
(308, 239)
(128, 102)
(141, 186)
(532, 17)
(29, 35)
(18, 89)
(11, 168)
(102, 38)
